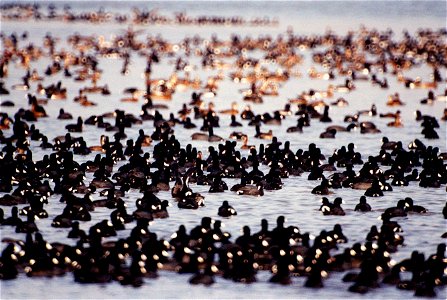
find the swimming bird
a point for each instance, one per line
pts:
(247, 113)
(325, 117)
(134, 92)
(210, 137)
(322, 188)
(371, 112)
(252, 190)
(234, 123)
(298, 127)
(245, 145)
(75, 127)
(394, 100)
(363, 206)
(336, 208)
(263, 135)
(341, 102)
(326, 205)
(410, 207)
(3, 89)
(398, 210)
(328, 134)
(226, 210)
(64, 115)
(234, 110)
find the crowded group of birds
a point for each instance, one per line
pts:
(87, 178)
(17, 11)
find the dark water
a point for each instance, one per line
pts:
(421, 232)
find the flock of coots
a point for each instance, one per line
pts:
(154, 161)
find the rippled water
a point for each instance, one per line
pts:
(421, 232)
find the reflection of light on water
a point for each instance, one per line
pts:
(296, 202)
